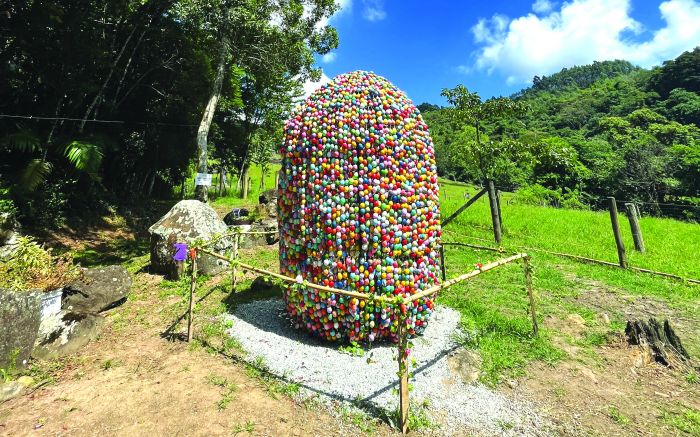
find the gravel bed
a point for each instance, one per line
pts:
(320, 368)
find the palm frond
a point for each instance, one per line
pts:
(24, 140)
(34, 174)
(85, 156)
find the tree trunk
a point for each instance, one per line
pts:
(201, 191)
(659, 342)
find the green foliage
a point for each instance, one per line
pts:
(606, 129)
(578, 77)
(538, 195)
(687, 421)
(31, 266)
(617, 416)
(353, 349)
(85, 156)
(489, 158)
(149, 69)
(7, 205)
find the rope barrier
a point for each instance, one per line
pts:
(395, 300)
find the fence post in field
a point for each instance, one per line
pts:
(442, 263)
(633, 216)
(277, 179)
(234, 269)
(622, 257)
(498, 203)
(403, 374)
(495, 218)
(193, 286)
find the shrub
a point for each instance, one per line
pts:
(6, 203)
(542, 196)
(32, 266)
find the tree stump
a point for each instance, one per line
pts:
(658, 342)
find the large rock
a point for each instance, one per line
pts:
(9, 233)
(253, 240)
(268, 200)
(20, 316)
(99, 289)
(237, 217)
(65, 333)
(186, 222)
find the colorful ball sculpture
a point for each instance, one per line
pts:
(358, 209)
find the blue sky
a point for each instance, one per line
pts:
(495, 47)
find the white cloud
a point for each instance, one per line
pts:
(328, 57)
(542, 6)
(310, 87)
(580, 32)
(373, 10)
(343, 6)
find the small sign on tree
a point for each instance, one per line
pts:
(203, 179)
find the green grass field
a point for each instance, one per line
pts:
(672, 246)
(494, 305)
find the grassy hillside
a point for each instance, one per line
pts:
(671, 245)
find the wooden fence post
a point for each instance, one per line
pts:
(193, 286)
(403, 373)
(621, 255)
(495, 219)
(442, 262)
(277, 178)
(528, 286)
(498, 204)
(234, 270)
(633, 216)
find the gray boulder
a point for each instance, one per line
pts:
(237, 217)
(65, 333)
(9, 233)
(268, 200)
(99, 289)
(253, 240)
(186, 222)
(20, 316)
(12, 389)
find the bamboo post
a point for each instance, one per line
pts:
(495, 219)
(621, 255)
(528, 286)
(193, 285)
(403, 373)
(633, 217)
(234, 264)
(442, 262)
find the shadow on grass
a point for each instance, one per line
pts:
(111, 252)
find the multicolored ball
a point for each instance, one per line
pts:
(359, 210)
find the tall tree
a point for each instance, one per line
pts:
(279, 34)
(469, 110)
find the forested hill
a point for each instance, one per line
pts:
(606, 129)
(577, 77)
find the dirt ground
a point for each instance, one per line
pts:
(610, 390)
(131, 381)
